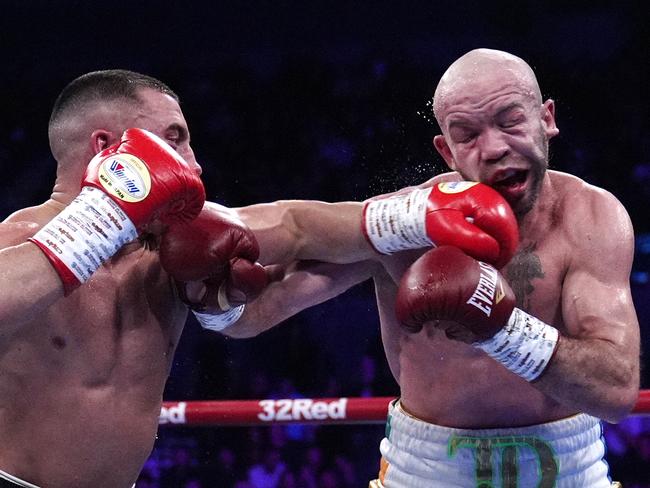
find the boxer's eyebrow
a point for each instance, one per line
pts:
(508, 108)
(180, 132)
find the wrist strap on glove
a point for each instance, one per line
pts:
(397, 223)
(219, 321)
(84, 235)
(216, 321)
(524, 346)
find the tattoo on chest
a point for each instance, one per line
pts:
(520, 273)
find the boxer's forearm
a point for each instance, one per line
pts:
(292, 230)
(304, 285)
(29, 285)
(593, 376)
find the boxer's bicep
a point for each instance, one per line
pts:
(596, 298)
(302, 285)
(596, 365)
(596, 295)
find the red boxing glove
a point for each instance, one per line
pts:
(147, 179)
(218, 249)
(125, 187)
(445, 284)
(471, 216)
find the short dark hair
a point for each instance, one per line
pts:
(105, 85)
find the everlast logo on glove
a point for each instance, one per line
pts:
(484, 295)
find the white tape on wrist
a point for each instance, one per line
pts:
(398, 223)
(524, 346)
(219, 321)
(87, 232)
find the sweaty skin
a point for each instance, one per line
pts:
(550, 281)
(550, 275)
(571, 269)
(82, 383)
(82, 377)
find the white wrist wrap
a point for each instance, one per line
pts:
(219, 321)
(524, 346)
(87, 232)
(397, 223)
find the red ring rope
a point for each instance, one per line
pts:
(297, 411)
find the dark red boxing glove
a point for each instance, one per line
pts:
(474, 304)
(221, 251)
(447, 284)
(471, 216)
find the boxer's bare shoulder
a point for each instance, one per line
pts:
(20, 225)
(590, 216)
(24, 223)
(13, 233)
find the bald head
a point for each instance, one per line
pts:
(471, 75)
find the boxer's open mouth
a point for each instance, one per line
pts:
(511, 183)
(509, 178)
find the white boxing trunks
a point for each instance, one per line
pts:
(566, 453)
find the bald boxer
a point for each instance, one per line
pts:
(89, 310)
(469, 414)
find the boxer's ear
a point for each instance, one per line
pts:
(548, 119)
(440, 143)
(100, 139)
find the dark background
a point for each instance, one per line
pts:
(328, 101)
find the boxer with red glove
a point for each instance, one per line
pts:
(220, 251)
(445, 284)
(125, 188)
(471, 216)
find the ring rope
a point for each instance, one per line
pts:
(318, 411)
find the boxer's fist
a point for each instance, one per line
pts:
(471, 216)
(245, 281)
(218, 250)
(445, 284)
(147, 179)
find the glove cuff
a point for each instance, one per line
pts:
(525, 345)
(84, 235)
(219, 321)
(397, 223)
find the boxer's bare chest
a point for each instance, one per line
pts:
(124, 320)
(535, 273)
